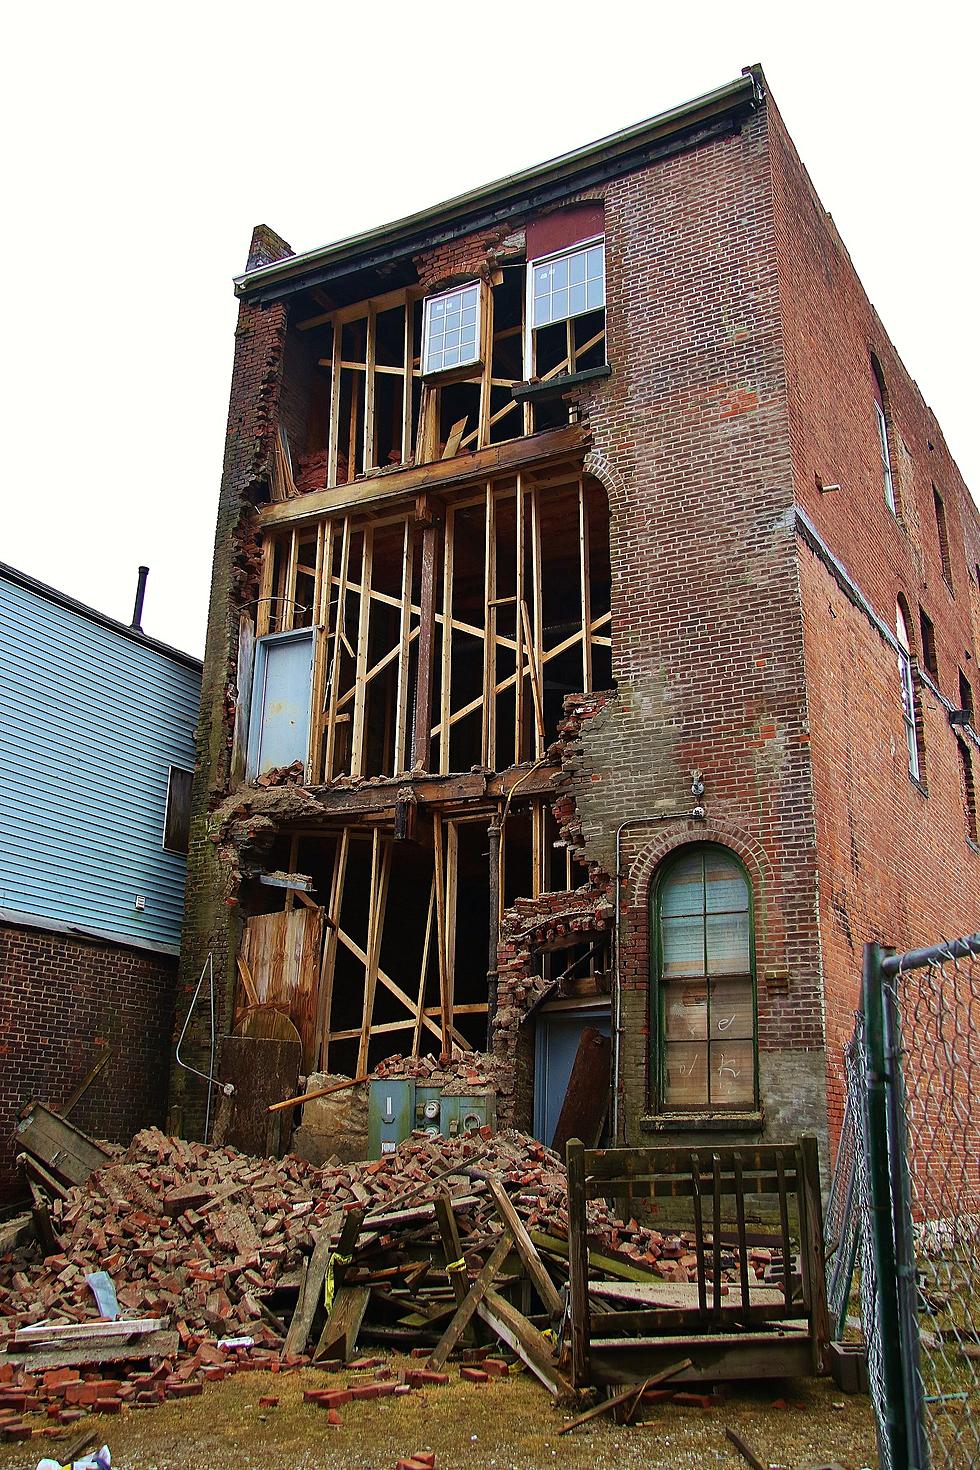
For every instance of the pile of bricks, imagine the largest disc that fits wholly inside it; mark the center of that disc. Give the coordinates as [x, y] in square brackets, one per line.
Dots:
[206, 1238]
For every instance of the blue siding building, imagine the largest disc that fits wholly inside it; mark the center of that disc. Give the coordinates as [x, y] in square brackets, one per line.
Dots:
[93, 717]
[96, 759]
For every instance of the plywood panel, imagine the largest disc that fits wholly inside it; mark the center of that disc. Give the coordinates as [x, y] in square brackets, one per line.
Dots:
[282, 951]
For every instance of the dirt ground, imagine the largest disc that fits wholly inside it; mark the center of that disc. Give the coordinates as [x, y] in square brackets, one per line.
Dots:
[509, 1424]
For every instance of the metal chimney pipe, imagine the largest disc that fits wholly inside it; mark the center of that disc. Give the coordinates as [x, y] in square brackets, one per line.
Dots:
[137, 622]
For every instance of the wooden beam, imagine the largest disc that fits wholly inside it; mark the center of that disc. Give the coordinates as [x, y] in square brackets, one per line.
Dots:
[360, 665]
[443, 958]
[495, 460]
[523, 1338]
[446, 660]
[533, 1264]
[421, 738]
[470, 1303]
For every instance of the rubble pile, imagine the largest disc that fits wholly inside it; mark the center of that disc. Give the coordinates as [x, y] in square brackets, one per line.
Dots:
[270, 1263]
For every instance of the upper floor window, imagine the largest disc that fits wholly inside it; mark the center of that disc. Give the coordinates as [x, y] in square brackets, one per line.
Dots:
[177, 820]
[704, 983]
[451, 329]
[942, 530]
[881, 420]
[567, 285]
[927, 637]
[909, 714]
[565, 311]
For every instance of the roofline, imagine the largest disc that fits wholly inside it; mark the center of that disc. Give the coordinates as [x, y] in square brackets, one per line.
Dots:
[605, 158]
[31, 584]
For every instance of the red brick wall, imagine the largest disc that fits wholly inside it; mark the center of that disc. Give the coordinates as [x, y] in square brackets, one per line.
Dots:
[60, 1001]
[895, 863]
[691, 440]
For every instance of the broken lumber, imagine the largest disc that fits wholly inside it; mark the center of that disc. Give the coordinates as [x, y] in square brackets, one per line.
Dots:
[523, 1338]
[470, 1303]
[533, 1263]
[635, 1391]
[747, 1454]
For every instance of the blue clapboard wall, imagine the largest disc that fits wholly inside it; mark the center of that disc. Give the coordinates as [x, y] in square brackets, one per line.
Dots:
[92, 717]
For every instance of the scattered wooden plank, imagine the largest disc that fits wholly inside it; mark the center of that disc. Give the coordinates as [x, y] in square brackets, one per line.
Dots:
[105, 1053]
[305, 1097]
[633, 1392]
[530, 1345]
[59, 1147]
[533, 1264]
[470, 1303]
[59, 1333]
[15, 1232]
[339, 1336]
[93, 1354]
[747, 1454]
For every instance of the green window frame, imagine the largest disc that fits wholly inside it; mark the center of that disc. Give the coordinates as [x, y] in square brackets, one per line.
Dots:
[704, 1018]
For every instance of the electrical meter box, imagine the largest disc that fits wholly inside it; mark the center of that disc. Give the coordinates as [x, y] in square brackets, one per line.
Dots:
[466, 1114]
[391, 1114]
[428, 1109]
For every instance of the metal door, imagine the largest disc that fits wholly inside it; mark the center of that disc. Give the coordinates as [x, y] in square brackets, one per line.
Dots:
[556, 1041]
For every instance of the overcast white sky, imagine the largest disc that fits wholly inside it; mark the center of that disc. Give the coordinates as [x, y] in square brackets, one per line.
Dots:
[142, 143]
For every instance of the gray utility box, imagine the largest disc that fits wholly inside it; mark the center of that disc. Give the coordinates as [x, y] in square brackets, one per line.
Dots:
[391, 1114]
[398, 1106]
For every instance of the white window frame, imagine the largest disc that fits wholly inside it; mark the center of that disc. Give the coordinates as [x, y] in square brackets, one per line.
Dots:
[176, 851]
[886, 459]
[532, 266]
[907, 680]
[476, 361]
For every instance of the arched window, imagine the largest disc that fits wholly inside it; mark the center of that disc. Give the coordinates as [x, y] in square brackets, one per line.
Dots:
[881, 420]
[909, 713]
[704, 983]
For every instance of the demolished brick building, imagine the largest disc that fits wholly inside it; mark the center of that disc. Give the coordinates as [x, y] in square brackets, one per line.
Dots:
[591, 645]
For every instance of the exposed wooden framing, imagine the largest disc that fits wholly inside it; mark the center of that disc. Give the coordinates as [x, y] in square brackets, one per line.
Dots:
[421, 737]
[380, 872]
[423, 971]
[370, 353]
[519, 628]
[447, 995]
[447, 641]
[489, 731]
[407, 379]
[343, 560]
[333, 439]
[443, 958]
[334, 679]
[363, 633]
[328, 963]
[495, 460]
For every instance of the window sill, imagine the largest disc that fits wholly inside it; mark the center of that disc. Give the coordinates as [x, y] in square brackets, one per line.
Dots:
[922, 789]
[538, 392]
[749, 1122]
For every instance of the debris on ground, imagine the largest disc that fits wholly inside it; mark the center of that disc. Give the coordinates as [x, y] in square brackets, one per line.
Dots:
[222, 1262]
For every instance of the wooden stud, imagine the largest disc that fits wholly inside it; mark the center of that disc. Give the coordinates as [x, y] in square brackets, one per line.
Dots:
[519, 631]
[423, 972]
[370, 437]
[489, 730]
[447, 1000]
[441, 954]
[421, 737]
[378, 904]
[445, 690]
[578, 1263]
[408, 380]
[333, 440]
[363, 634]
[328, 962]
[338, 638]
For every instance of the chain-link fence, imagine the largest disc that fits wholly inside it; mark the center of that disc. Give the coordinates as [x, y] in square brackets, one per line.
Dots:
[914, 1111]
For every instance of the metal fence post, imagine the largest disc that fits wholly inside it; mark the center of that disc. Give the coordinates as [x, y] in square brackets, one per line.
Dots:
[894, 1417]
[905, 1264]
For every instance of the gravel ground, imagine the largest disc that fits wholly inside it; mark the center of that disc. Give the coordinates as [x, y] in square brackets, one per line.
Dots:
[507, 1425]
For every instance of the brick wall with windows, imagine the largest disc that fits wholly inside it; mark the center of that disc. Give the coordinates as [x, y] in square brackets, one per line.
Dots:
[63, 999]
[895, 859]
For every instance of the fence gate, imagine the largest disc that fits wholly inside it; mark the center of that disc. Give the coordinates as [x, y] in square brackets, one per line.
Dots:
[914, 1092]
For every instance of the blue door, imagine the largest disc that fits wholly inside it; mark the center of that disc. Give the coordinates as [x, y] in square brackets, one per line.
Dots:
[279, 722]
[556, 1041]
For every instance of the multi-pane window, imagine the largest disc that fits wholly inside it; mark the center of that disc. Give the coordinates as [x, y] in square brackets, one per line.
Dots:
[886, 460]
[881, 420]
[908, 695]
[704, 974]
[451, 329]
[567, 285]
